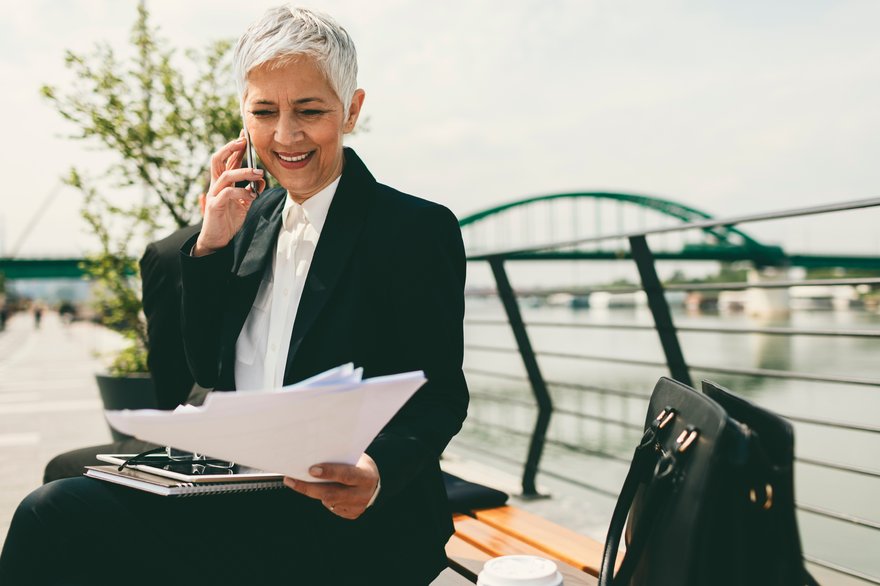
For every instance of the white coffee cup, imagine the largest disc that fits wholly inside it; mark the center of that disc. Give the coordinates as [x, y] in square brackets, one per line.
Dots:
[519, 570]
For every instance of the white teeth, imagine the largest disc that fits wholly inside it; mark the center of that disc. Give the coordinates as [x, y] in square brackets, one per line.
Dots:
[292, 159]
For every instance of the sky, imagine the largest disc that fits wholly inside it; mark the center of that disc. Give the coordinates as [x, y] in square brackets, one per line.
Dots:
[731, 107]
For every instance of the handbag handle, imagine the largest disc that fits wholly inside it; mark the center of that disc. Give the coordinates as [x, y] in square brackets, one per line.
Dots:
[645, 457]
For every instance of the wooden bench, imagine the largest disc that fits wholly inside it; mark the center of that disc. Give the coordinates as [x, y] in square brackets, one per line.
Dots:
[508, 531]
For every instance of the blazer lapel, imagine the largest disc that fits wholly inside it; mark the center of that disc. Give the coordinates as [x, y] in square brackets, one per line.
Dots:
[257, 254]
[262, 242]
[252, 253]
[342, 228]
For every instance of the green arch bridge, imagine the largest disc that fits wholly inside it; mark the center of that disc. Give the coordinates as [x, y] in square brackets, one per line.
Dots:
[574, 212]
[718, 243]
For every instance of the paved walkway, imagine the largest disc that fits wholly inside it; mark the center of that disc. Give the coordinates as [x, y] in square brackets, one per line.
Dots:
[49, 402]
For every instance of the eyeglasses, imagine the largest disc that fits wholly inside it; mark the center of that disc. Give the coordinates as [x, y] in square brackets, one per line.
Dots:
[175, 460]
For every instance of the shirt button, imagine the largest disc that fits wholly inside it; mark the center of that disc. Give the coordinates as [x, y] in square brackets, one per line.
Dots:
[286, 290]
[274, 347]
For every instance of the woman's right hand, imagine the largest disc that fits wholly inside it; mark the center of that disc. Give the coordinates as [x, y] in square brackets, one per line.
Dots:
[226, 205]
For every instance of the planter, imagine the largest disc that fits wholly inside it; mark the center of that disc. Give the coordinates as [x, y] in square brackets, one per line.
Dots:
[134, 391]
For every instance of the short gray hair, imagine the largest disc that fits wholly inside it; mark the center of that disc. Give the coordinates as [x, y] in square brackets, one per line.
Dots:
[286, 32]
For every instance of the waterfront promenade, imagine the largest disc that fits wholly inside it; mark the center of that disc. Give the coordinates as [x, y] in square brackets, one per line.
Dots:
[49, 402]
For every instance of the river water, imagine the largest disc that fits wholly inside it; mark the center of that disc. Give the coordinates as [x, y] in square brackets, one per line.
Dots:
[499, 422]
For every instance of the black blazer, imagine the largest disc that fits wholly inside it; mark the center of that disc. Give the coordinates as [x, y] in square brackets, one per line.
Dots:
[160, 279]
[386, 291]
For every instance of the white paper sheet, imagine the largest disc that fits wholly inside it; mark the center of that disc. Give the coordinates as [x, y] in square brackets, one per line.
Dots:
[329, 418]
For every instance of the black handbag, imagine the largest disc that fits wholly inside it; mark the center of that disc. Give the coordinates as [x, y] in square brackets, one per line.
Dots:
[708, 499]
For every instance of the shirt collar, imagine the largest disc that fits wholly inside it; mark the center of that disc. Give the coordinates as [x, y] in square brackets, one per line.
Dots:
[315, 208]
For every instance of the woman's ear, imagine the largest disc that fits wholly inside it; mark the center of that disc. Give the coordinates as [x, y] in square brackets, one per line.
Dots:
[354, 110]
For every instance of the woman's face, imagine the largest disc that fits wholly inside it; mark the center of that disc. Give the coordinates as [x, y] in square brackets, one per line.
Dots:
[296, 123]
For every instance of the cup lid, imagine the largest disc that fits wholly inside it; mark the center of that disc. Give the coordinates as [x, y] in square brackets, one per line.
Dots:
[519, 570]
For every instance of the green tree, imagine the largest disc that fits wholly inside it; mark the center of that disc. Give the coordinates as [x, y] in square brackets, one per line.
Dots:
[161, 126]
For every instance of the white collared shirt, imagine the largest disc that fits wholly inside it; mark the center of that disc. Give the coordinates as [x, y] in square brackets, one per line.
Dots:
[262, 346]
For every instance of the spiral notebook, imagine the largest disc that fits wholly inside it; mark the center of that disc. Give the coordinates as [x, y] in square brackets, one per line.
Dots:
[171, 487]
[185, 471]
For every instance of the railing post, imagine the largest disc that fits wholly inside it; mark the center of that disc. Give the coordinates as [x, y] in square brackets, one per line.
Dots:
[539, 387]
[644, 258]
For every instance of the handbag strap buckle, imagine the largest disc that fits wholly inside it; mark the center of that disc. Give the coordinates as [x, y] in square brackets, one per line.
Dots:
[686, 438]
[767, 501]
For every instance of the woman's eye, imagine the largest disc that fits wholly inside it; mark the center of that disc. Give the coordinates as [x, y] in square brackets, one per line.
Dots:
[312, 112]
[262, 113]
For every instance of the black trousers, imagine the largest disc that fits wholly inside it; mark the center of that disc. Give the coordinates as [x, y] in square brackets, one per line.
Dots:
[70, 464]
[85, 531]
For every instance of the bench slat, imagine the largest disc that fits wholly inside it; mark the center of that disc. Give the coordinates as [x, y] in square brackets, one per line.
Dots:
[491, 540]
[496, 543]
[559, 542]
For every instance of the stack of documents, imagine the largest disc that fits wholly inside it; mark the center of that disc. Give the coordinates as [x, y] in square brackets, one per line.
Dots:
[331, 417]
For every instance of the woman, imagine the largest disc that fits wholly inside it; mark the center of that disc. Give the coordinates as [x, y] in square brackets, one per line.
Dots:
[332, 267]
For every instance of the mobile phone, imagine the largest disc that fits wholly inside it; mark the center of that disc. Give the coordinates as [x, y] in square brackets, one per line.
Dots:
[250, 160]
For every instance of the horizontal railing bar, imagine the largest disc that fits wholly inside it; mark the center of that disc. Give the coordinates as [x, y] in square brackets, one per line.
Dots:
[841, 569]
[565, 445]
[599, 418]
[505, 458]
[629, 425]
[831, 423]
[613, 360]
[559, 324]
[782, 374]
[756, 372]
[851, 519]
[492, 373]
[579, 483]
[699, 329]
[500, 456]
[599, 390]
[631, 395]
[740, 285]
[579, 290]
[700, 225]
[841, 467]
[782, 331]
[588, 452]
[727, 286]
[502, 350]
[567, 385]
[497, 349]
[495, 398]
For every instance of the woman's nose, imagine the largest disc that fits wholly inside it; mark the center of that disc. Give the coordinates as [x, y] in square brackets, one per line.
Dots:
[289, 129]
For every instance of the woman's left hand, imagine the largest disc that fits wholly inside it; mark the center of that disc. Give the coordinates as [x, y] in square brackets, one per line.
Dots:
[350, 488]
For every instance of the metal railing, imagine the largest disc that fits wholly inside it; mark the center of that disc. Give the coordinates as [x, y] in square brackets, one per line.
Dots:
[674, 359]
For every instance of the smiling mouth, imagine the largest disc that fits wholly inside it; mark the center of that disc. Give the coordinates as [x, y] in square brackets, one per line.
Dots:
[292, 158]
